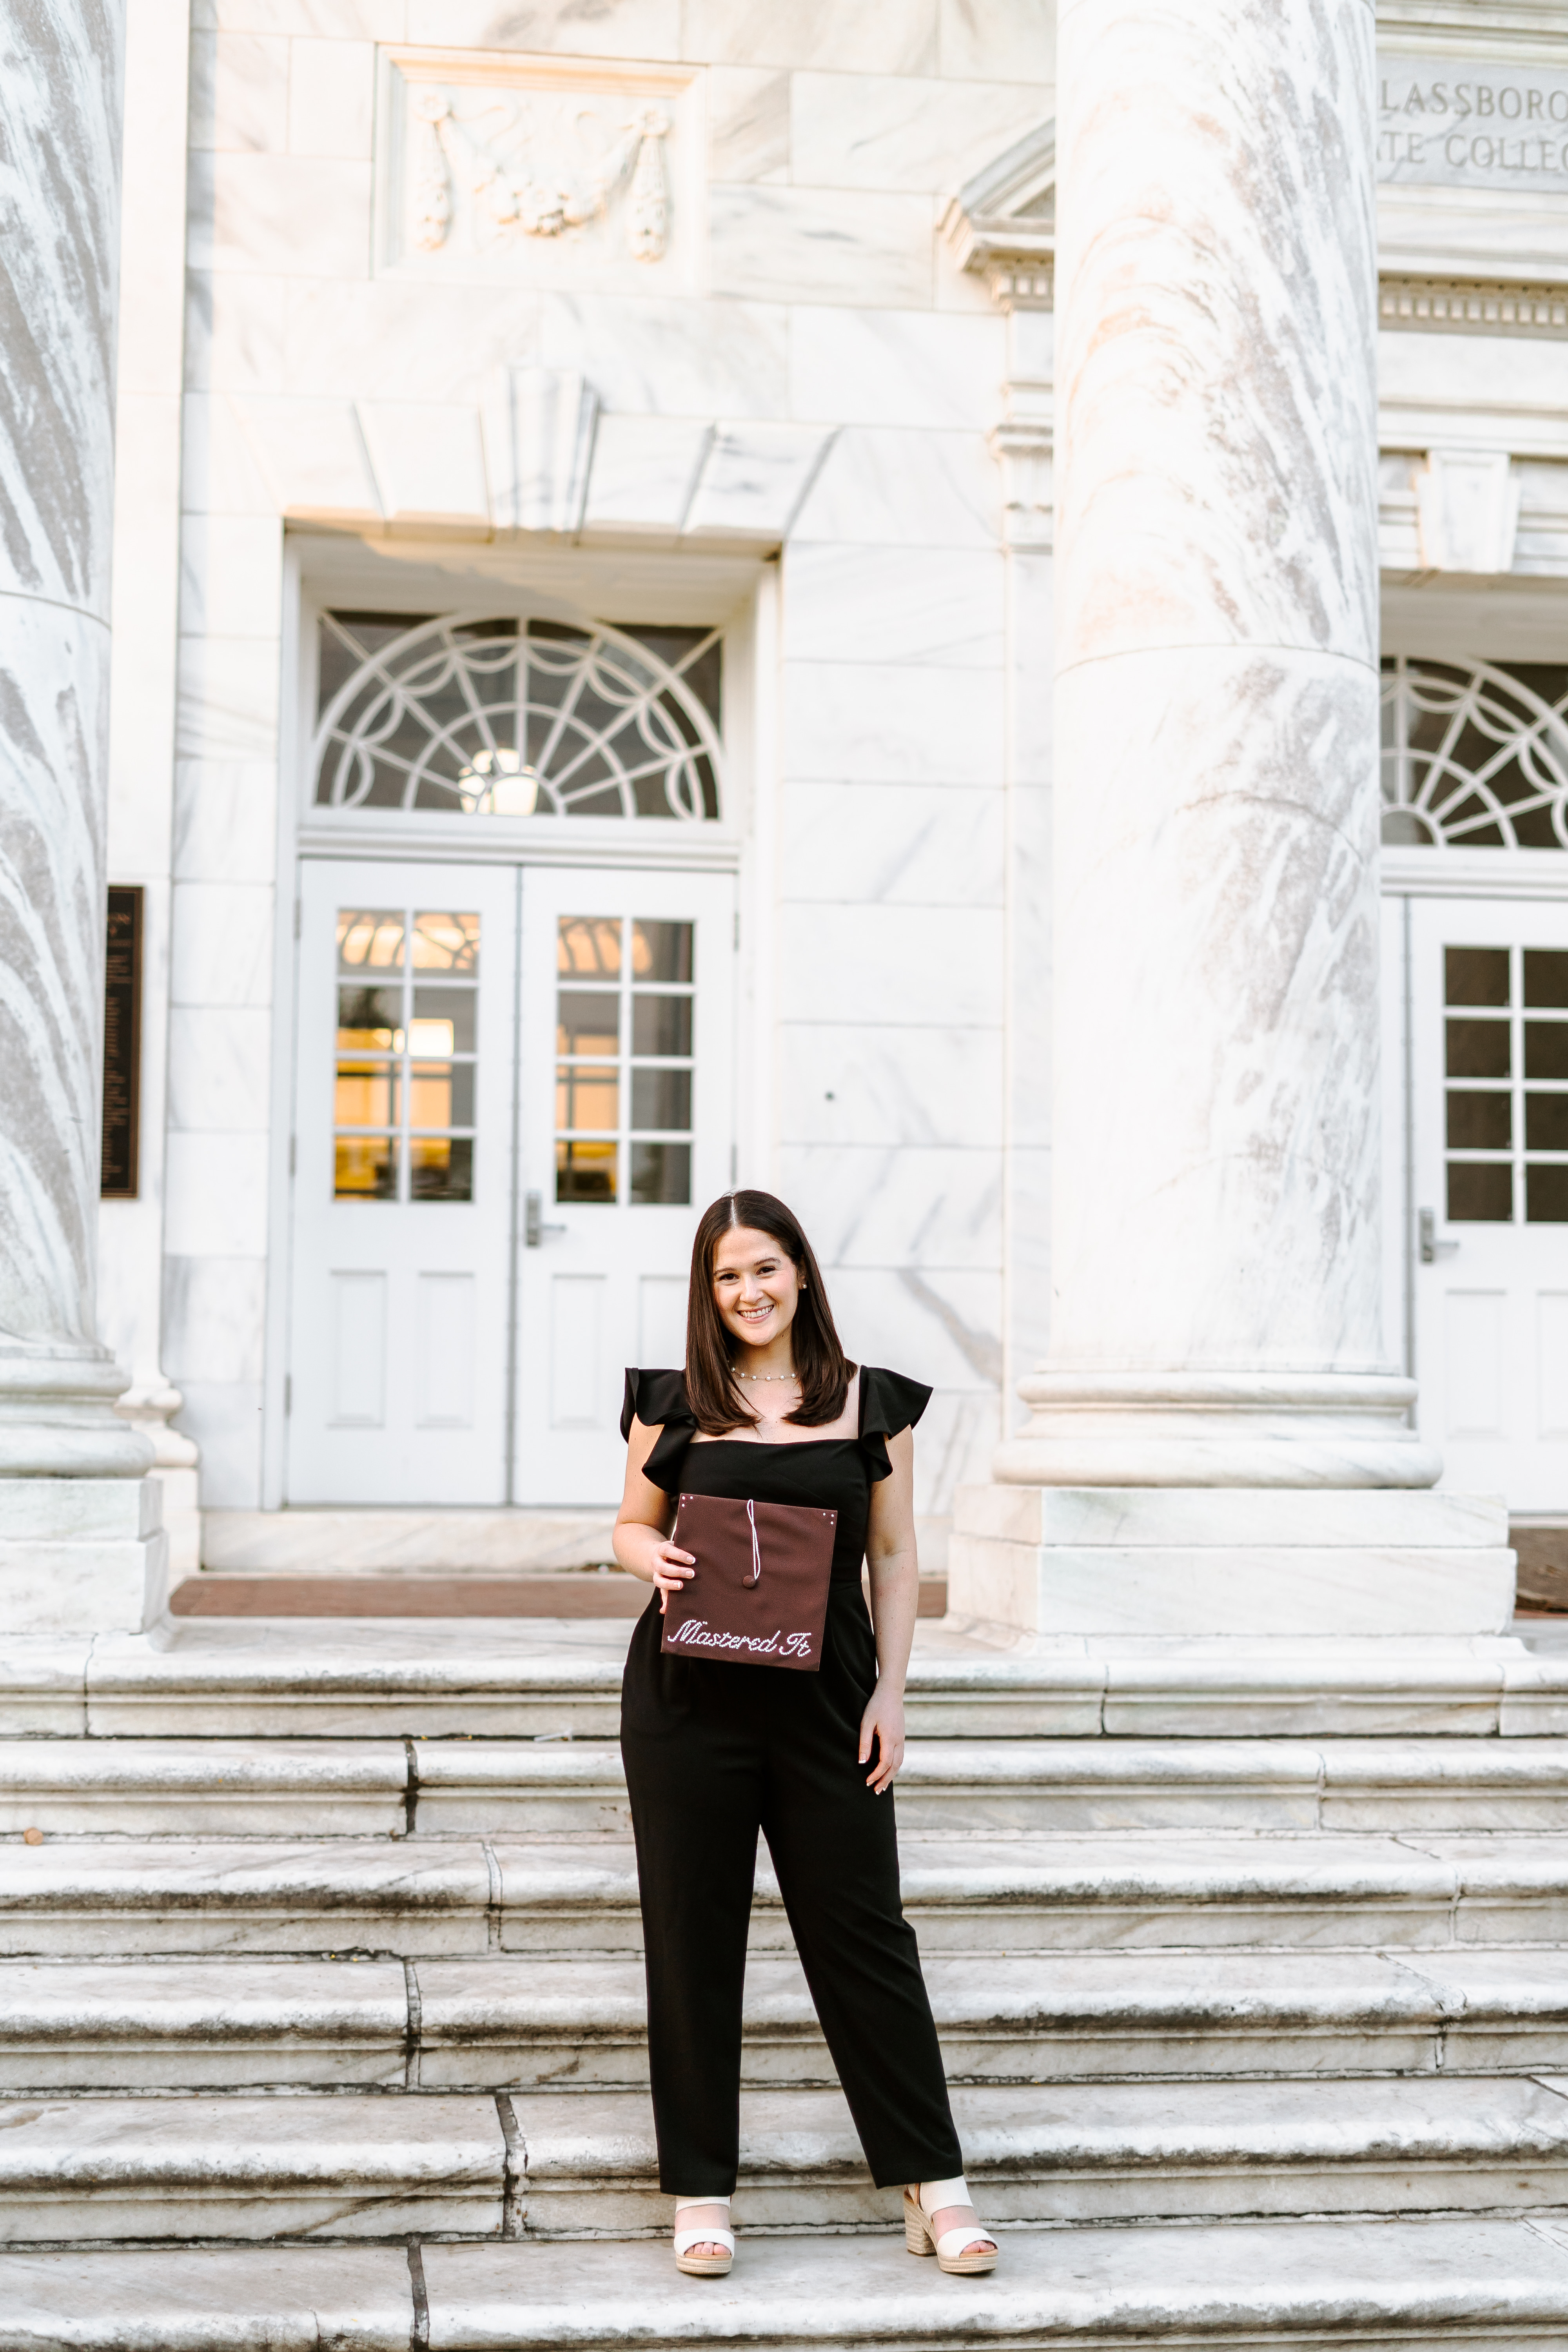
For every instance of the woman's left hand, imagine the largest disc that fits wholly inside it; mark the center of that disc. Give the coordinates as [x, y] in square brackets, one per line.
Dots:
[883, 1722]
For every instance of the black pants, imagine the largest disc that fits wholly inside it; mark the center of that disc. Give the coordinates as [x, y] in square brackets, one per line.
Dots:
[713, 1752]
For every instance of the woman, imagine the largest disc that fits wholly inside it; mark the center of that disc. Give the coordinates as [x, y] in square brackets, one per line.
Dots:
[770, 1410]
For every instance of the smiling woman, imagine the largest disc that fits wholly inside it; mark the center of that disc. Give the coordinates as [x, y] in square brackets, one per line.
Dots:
[771, 1416]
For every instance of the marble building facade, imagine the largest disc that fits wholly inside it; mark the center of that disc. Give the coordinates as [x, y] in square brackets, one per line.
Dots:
[704, 354]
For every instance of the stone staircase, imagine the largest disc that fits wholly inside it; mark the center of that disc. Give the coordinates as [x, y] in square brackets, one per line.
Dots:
[321, 2020]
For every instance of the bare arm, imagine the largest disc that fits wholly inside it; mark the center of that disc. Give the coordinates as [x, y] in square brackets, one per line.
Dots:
[894, 1564]
[642, 1527]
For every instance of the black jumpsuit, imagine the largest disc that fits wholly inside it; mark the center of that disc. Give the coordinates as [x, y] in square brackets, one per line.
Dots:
[715, 1750]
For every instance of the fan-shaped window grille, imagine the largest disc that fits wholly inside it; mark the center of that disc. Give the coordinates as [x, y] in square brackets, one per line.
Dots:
[507, 717]
[1475, 755]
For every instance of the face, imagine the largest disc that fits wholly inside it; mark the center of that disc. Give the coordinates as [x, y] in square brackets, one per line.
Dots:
[756, 1287]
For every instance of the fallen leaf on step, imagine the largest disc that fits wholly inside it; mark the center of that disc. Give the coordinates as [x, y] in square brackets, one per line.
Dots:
[32, 1837]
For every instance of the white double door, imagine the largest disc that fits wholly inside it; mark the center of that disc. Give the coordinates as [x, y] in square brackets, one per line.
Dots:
[513, 1097]
[1487, 994]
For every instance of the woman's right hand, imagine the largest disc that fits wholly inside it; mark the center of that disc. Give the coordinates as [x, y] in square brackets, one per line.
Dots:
[645, 1553]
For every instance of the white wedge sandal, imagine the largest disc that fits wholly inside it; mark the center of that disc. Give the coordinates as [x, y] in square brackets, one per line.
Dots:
[927, 2197]
[702, 2265]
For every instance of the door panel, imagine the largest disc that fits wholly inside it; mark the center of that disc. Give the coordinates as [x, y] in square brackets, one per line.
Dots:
[625, 1119]
[403, 1184]
[1488, 998]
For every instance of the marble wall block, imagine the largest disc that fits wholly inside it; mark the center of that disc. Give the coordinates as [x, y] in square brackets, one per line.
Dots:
[212, 1309]
[265, 210]
[753, 478]
[332, 92]
[236, 325]
[915, 844]
[603, 29]
[645, 472]
[217, 1194]
[891, 723]
[889, 488]
[805, 245]
[386, 339]
[884, 37]
[895, 368]
[330, 20]
[889, 964]
[861, 131]
[228, 697]
[240, 93]
[992, 38]
[219, 1067]
[226, 820]
[231, 575]
[748, 123]
[857, 1082]
[906, 1204]
[428, 461]
[666, 358]
[918, 604]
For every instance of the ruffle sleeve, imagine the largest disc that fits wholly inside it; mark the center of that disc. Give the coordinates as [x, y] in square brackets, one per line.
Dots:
[889, 1402]
[658, 1401]
[653, 1398]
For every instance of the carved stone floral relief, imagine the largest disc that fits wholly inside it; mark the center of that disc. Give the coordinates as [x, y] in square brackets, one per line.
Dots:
[495, 168]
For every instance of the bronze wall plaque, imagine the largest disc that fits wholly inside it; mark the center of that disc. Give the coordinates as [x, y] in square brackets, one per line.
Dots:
[121, 1043]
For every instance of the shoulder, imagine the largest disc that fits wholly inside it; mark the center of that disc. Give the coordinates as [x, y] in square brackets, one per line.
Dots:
[888, 1402]
[654, 1398]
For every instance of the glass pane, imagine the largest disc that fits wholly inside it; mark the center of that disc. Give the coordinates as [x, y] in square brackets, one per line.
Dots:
[661, 1175]
[660, 1098]
[1546, 1122]
[584, 1172]
[1475, 975]
[1481, 1122]
[369, 1020]
[1480, 1192]
[661, 951]
[445, 944]
[661, 1025]
[365, 1094]
[588, 947]
[1546, 1196]
[1546, 1049]
[444, 1020]
[441, 1168]
[366, 1168]
[440, 1096]
[368, 939]
[1479, 1049]
[1546, 977]
[586, 1098]
[587, 1020]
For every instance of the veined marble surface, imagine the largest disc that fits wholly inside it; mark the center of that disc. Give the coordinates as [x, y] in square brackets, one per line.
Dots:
[1215, 1052]
[59, 73]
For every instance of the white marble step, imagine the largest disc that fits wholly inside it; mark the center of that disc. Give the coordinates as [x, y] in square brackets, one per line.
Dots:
[571, 1787]
[503, 2024]
[1310, 2284]
[363, 2165]
[212, 1677]
[951, 1785]
[447, 1897]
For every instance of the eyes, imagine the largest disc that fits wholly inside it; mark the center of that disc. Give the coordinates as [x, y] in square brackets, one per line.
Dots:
[768, 1267]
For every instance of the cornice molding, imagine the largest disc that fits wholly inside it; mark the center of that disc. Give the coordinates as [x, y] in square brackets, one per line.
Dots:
[1001, 225]
[1472, 306]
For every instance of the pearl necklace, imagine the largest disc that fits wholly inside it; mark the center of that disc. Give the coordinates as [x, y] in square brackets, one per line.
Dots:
[769, 1376]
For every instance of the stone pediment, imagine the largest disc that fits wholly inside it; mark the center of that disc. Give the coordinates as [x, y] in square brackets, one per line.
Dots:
[1002, 224]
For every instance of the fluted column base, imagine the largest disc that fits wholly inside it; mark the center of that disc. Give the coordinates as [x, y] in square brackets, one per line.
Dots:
[57, 1418]
[1217, 1429]
[1188, 1561]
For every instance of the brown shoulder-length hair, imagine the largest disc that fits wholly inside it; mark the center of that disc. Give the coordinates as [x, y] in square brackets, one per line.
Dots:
[823, 1369]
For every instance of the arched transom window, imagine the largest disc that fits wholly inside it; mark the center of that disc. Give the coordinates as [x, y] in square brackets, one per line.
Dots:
[510, 718]
[1475, 755]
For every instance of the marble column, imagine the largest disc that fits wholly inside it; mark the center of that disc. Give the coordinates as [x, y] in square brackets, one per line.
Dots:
[77, 1523]
[1216, 1252]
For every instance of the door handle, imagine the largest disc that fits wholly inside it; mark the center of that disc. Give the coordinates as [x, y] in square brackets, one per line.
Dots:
[1431, 1248]
[533, 1226]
